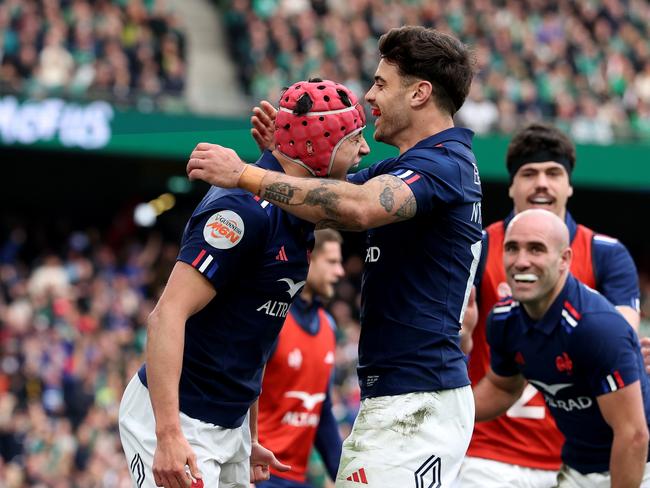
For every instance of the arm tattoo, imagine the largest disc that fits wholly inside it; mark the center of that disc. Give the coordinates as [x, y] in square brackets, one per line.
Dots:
[408, 209]
[335, 224]
[326, 199]
[279, 192]
[387, 199]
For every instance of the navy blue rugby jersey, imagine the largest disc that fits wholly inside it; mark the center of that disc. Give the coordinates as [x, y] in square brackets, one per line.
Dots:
[418, 273]
[582, 348]
[255, 256]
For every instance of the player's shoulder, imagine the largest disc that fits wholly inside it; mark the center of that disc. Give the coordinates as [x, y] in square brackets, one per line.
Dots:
[586, 308]
[244, 203]
[230, 213]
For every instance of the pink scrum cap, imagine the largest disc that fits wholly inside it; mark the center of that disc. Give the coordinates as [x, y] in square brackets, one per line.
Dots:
[314, 118]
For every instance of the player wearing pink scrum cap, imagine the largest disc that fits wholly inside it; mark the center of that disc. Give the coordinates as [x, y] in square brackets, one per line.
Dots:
[186, 417]
[314, 119]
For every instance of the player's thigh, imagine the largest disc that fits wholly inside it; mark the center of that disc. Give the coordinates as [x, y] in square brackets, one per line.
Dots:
[486, 473]
[410, 440]
[137, 433]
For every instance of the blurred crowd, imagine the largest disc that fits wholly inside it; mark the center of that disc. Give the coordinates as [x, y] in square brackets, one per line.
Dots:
[127, 51]
[72, 333]
[581, 63]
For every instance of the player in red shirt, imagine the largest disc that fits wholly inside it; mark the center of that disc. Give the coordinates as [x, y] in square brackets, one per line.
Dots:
[295, 410]
[522, 448]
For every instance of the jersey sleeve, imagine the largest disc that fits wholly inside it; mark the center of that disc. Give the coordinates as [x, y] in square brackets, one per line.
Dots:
[360, 177]
[608, 353]
[502, 360]
[219, 241]
[616, 275]
[432, 182]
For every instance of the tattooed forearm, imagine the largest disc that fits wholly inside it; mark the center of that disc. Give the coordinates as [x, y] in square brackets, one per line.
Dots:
[279, 192]
[387, 199]
[324, 198]
[335, 224]
[408, 209]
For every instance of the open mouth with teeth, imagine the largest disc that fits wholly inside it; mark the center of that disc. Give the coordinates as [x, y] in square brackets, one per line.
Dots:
[545, 200]
[525, 278]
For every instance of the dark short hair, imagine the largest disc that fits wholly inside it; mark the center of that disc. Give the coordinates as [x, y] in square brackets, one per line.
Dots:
[434, 56]
[540, 141]
[323, 236]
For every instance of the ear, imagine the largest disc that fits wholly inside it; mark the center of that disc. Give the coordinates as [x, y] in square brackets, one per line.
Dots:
[570, 194]
[566, 257]
[421, 93]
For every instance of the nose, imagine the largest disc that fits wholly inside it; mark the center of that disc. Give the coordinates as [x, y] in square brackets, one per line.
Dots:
[364, 149]
[370, 94]
[541, 181]
[521, 260]
[339, 272]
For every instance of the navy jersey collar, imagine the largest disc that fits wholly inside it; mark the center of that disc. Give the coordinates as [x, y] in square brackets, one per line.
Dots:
[568, 220]
[458, 134]
[553, 315]
[268, 161]
[306, 314]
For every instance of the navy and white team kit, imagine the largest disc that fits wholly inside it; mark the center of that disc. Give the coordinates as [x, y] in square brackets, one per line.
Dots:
[256, 257]
[418, 273]
[582, 348]
[417, 411]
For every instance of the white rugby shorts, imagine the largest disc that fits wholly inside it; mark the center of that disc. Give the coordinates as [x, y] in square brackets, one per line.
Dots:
[487, 473]
[222, 454]
[412, 440]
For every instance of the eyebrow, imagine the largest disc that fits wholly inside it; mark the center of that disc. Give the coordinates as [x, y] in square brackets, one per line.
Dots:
[379, 78]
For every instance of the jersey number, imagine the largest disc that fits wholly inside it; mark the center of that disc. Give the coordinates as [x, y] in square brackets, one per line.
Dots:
[521, 411]
[476, 255]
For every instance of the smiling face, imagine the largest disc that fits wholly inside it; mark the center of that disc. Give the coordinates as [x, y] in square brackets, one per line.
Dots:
[537, 257]
[388, 98]
[542, 185]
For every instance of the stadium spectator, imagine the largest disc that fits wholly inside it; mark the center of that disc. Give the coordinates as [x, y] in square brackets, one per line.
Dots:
[120, 50]
[532, 54]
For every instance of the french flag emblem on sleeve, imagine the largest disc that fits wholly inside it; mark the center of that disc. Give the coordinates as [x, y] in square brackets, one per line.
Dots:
[205, 263]
[613, 382]
[407, 175]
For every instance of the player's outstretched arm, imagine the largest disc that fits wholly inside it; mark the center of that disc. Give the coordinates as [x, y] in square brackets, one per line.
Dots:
[186, 293]
[495, 394]
[623, 411]
[328, 203]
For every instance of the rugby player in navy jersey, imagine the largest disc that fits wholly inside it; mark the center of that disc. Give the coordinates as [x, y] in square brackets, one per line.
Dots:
[578, 350]
[522, 448]
[422, 211]
[184, 417]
